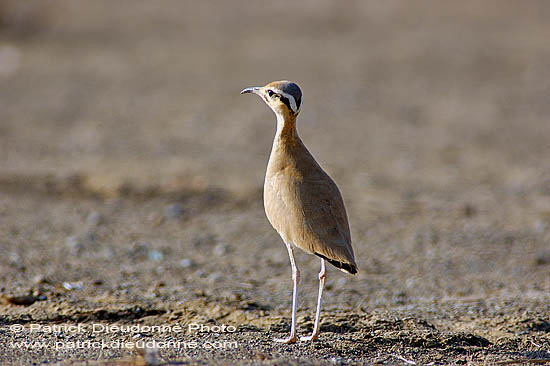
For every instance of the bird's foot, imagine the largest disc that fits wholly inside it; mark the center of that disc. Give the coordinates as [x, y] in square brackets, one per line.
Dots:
[309, 338]
[288, 340]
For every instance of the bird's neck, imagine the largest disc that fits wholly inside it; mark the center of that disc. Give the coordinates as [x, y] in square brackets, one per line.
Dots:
[286, 128]
[286, 145]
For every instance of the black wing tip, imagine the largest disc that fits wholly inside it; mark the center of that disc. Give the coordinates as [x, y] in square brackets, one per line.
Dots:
[346, 267]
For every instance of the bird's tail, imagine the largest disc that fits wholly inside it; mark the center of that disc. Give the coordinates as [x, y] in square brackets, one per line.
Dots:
[350, 268]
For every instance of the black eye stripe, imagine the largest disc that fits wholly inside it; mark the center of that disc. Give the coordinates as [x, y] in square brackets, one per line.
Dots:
[286, 102]
[284, 99]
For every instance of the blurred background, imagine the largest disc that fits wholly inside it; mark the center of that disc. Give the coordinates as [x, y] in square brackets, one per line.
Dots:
[427, 91]
[124, 140]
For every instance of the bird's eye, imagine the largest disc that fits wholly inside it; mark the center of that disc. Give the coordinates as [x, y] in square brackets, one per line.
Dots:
[270, 93]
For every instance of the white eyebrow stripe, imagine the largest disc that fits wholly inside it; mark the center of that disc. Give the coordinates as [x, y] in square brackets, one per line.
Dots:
[289, 97]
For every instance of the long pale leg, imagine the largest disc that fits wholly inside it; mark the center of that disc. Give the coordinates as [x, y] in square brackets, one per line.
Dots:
[296, 279]
[322, 278]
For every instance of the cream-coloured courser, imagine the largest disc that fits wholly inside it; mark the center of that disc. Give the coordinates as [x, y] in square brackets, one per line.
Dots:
[301, 201]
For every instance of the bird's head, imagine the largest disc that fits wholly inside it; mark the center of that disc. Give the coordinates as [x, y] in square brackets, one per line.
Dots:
[283, 97]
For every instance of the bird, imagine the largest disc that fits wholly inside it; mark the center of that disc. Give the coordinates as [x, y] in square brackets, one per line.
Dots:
[301, 201]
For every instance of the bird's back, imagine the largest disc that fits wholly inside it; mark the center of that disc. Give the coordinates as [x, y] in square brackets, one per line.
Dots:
[304, 204]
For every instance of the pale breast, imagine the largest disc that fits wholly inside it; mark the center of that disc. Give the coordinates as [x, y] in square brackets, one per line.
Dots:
[278, 188]
[304, 205]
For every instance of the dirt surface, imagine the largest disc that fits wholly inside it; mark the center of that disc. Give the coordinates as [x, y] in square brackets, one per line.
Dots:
[131, 175]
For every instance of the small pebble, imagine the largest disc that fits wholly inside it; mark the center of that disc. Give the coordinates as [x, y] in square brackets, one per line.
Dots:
[186, 263]
[140, 249]
[200, 273]
[95, 219]
[220, 249]
[22, 300]
[174, 210]
[89, 237]
[155, 255]
[155, 219]
[200, 293]
[337, 360]
[73, 285]
[469, 210]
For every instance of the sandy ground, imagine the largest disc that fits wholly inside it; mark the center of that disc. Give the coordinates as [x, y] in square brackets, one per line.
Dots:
[131, 175]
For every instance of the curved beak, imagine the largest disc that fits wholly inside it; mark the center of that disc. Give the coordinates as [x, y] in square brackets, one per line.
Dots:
[253, 90]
